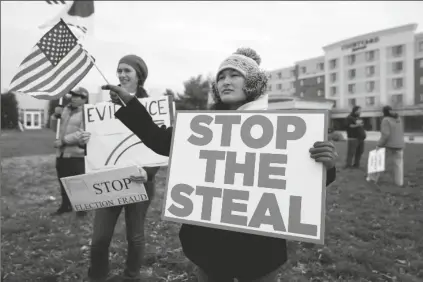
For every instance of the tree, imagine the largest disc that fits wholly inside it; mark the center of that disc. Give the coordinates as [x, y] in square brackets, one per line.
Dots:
[195, 95]
[53, 104]
[169, 92]
[9, 111]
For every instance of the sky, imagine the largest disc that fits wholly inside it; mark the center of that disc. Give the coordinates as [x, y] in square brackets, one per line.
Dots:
[181, 39]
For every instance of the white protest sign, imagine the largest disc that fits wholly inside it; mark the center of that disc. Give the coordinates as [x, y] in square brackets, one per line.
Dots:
[249, 172]
[113, 144]
[102, 189]
[376, 161]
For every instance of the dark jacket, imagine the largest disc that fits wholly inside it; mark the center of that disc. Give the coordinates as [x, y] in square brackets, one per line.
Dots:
[355, 132]
[222, 252]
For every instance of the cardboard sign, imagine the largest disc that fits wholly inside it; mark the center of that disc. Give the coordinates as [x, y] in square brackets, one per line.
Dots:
[113, 144]
[376, 161]
[102, 189]
[249, 172]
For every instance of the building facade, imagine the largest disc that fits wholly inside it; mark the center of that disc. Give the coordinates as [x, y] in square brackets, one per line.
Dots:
[371, 70]
[310, 81]
[282, 82]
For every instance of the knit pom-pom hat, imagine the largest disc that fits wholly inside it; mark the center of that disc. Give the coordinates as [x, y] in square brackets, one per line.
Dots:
[246, 61]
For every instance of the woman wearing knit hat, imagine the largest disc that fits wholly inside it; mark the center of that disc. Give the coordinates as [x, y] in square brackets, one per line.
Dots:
[219, 254]
[132, 73]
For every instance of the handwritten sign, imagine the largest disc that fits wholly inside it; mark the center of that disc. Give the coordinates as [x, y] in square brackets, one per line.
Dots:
[102, 189]
[249, 172]
[376, 161]
[113, 144]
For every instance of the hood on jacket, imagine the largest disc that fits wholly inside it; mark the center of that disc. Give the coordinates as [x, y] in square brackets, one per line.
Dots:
[261, 103]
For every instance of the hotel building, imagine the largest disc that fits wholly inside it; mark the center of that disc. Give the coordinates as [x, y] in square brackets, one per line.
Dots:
[371, 70]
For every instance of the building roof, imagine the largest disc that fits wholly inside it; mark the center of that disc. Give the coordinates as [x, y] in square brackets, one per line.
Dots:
[408, 27]
[320, 58]
[286, 99]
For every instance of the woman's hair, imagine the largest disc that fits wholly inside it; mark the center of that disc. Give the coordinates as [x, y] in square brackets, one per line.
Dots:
[255, 79]
[387, 112]
[355, 110]
[141, 93]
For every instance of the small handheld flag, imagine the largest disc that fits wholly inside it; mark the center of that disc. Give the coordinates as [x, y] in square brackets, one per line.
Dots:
[56, 64]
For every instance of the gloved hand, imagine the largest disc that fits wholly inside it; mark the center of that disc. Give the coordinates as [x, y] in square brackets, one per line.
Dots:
[324, 152]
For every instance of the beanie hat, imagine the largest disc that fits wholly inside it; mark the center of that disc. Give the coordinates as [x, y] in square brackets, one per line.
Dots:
[246, 61]
[80, 91]
[138, 64]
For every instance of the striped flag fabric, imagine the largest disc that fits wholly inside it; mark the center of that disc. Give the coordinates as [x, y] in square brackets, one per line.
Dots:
[78, 15]
[56, 64]
[56, 2]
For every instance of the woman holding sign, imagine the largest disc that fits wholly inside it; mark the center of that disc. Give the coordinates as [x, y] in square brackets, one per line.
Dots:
[132, 73]
[224, 255]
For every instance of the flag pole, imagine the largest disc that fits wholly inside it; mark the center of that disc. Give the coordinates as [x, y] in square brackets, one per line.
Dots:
[123, 103]
[58, 120]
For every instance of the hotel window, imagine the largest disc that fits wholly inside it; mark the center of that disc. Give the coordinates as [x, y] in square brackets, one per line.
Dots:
[333, 77]
[421, 97]
[292, 73]
[334, 103]
[397, 83]
[397, 50]
[421, 63]
[351, 102]
[421, 80]
[302, 94]
[351, 73]
[291, 84]
[421, 46]
[397, 67]
[270, 87]
[370, 55]
[320, 92]
[370, 86]
[370, 70]
[396, 99]
[370, 101]
[279, 86]
[333, 91]
[351, 59]
[319, 79]
[303, 70]
[302, 82]
[320, 66]
[270, 76]
[332, 63]
[279, 75]
[351, 88]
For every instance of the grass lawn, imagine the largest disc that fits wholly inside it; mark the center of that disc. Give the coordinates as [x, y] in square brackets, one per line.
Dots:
[373, 233]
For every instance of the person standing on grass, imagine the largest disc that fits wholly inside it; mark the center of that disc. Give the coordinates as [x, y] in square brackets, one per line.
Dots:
[356, 136]
[132, 73]
[392, 139]
[222, 255]
[70, 152]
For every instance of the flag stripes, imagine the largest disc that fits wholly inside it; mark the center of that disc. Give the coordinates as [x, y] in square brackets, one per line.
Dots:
[55, 2]
[54, 66]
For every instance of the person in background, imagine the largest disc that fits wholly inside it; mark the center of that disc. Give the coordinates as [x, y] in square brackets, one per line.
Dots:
[356, 136]
[132, 73]
[392, 139]
[70, 152]
[222, 255]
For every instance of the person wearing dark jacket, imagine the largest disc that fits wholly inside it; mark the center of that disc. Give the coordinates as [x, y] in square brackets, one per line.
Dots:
[132, 73]
[356, 136]
[219, 254]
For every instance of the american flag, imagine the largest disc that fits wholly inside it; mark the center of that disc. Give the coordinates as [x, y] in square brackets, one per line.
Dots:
[78, 15]
[56, 2]
[56, 64]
